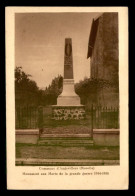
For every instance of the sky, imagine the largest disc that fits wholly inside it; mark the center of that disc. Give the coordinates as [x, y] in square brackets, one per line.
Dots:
[40, 41]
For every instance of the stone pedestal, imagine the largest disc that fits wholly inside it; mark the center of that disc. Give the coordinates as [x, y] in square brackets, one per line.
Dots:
[68, 112]
[68, 104]
[68, 96]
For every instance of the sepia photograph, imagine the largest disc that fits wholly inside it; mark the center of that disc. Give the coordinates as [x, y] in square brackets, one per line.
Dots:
[67, 88]
[66, 91]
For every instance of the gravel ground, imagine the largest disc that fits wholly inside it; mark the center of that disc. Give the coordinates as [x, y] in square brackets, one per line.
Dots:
[58, 152]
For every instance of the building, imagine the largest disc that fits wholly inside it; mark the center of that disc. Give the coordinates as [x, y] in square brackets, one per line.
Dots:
[104, 57]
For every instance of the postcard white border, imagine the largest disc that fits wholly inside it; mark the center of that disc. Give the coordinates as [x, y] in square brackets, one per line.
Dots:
[118, 178]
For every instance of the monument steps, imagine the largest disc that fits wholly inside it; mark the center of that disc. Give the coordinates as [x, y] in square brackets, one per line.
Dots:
[77, 136]
[70, 140]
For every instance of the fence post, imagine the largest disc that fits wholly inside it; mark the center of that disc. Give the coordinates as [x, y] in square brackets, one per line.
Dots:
[40, 117]
[92, 121]
[118, 118]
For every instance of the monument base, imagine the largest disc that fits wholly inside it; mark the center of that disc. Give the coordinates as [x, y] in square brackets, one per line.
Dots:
[68, 104]
[68, 96]
[68, 112]
[68, 100]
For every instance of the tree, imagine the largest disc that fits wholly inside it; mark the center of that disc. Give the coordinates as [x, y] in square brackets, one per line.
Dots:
[23, 82]
[26, 90]
[54, 90]
[88, 89]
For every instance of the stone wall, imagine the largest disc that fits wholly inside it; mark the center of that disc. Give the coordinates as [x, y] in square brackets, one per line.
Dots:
[106, 137]
[29, 136]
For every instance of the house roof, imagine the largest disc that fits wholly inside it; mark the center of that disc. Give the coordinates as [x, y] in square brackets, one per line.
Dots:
[92, 37]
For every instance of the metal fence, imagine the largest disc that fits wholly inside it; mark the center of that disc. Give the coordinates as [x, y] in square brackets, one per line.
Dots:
[99, 117]
[104, 117]
[26, 117]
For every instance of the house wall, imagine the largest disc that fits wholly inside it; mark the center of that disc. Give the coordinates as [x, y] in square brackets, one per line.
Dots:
[104, 59]
[110, 42]
[97, 52]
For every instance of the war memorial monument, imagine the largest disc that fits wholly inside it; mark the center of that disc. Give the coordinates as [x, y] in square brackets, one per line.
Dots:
[68, 103]
[69, 114]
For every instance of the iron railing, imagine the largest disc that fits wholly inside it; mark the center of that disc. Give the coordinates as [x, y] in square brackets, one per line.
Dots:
[35, 117]
[104, 117]
[26, 117]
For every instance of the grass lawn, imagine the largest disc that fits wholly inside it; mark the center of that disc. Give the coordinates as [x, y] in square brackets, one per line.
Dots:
[59, 152]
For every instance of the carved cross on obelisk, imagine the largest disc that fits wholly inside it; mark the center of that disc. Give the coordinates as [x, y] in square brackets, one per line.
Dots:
[68, 96]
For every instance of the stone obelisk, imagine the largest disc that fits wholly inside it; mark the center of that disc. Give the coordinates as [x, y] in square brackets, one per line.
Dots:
[68, 103]
[68, 96]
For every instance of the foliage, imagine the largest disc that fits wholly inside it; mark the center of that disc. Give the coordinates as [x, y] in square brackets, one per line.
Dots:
[23, 82]
[56, 86]
[53, 90]
[27, 91]
[89, 89]
[86, 89]
[91, 85]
